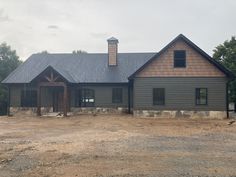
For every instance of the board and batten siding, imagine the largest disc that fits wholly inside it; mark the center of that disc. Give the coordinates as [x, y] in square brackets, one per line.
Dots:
[103, 96]
[180, 93]
[15, 95]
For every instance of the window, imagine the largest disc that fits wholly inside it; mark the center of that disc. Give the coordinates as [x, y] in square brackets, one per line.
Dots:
[179, 58]
[117, 95]
[28, 98]
[158, 96]
[85, 98]
[201, 96]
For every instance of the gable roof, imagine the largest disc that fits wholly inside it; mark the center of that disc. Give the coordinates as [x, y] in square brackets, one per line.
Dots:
[80, 68]
[195, 47]
[63, 75]
[93, 67]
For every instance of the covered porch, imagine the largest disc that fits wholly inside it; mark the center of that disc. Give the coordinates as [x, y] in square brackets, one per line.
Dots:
[57, 87]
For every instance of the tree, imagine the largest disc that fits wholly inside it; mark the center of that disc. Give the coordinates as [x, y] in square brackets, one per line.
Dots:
[78, 51]
[8, 62]
[226, 54]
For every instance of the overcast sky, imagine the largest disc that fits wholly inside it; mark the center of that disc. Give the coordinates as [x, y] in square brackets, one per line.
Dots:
[31, 26]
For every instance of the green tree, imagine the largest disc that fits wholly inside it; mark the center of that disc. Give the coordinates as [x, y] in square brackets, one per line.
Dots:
[8, 62]
[78, 51]
[226, 54]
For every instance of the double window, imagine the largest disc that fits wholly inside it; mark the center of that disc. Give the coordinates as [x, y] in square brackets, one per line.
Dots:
[179, 58]
[201, 96]
[85, 98]
[117, 95]
[28, 98]
[158, 96]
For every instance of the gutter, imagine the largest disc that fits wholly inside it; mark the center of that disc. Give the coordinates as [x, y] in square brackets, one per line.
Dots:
[227, 96]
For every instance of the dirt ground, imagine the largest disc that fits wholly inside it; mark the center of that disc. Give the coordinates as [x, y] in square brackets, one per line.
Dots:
[116, 146]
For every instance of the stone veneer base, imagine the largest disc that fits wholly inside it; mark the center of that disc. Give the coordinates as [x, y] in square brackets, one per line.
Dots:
[180, 114]
[73, 110]
[120, 110]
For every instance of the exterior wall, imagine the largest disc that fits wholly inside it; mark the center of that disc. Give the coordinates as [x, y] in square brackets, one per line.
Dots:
[103, 100]
[180, 93]
[103, 95]
[196, 65]
[15, 96]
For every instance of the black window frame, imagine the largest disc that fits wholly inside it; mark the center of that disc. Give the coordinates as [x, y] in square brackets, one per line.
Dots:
[117, 95]
[178, 59]
[156, 98]
[84, 96]
[198, 96]
[28, 98]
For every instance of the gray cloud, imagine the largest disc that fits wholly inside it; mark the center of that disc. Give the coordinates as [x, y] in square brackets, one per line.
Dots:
[140, 26]
[53, 27]
[99, 35]
[3, 18]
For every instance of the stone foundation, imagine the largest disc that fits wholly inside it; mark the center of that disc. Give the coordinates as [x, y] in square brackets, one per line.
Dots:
[73, 111]
[121, 110]
[98, 110]
[29, 110]
[180, 114]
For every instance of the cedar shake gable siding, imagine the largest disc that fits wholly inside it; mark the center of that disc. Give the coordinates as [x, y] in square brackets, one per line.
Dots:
[196, 64]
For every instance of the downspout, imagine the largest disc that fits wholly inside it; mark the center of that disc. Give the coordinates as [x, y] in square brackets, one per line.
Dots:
[227, 96]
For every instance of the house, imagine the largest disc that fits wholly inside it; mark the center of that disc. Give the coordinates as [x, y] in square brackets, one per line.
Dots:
[181, 80]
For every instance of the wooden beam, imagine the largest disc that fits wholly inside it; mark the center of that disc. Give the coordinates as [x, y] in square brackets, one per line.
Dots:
[54, 80]
[52, 84]
[38, 101]
[65, 101]
[47, 78]
[129, 104]
[51, 75]
[8, 100]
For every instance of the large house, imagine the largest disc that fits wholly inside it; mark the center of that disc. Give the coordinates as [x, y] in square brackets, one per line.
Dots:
[181, 80]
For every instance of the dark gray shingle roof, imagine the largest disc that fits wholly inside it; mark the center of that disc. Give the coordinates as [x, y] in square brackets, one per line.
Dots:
[80, 68]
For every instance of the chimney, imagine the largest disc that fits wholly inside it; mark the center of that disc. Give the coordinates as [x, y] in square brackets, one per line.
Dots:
[112, 51]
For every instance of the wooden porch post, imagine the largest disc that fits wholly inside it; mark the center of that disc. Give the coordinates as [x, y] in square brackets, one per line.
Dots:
[8, 100]
[38, 101]
[65, 101]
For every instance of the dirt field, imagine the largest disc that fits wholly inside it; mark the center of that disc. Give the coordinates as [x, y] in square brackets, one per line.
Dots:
[116, 146]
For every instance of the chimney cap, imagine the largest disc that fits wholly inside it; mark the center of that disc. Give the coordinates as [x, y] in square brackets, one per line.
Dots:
[112, 39]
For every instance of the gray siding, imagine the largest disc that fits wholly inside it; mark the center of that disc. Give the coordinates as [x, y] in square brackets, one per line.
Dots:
[180, 93]
[103, 96]
[15, 96]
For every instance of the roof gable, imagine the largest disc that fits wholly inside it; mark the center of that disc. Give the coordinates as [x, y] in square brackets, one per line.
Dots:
[51, 69]
[194, 47]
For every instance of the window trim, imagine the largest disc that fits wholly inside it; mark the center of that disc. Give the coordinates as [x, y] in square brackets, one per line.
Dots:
[174, 58]
[199, 104]
[79, 97]
[164, 100]
[121, 96]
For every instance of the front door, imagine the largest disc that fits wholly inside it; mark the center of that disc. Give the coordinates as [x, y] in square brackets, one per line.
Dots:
[58, 100]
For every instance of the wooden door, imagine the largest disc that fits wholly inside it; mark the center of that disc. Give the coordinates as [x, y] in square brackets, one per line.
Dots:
[58, 100]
